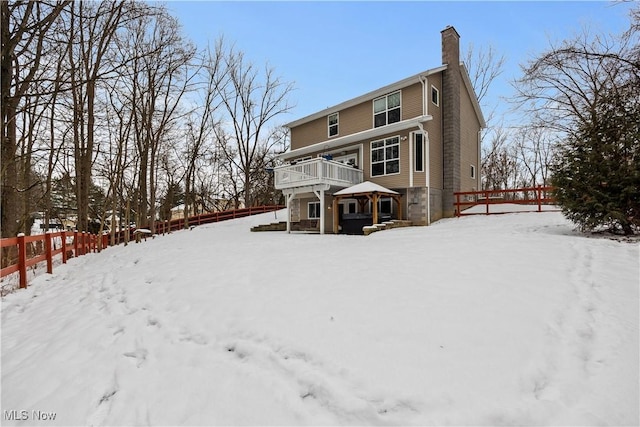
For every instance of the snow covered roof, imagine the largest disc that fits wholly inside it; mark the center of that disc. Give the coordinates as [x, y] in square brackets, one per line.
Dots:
[364, 187]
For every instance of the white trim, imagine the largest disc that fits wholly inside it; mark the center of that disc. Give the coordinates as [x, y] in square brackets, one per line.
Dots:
[384, 162]
[337, 114]
[427, 171]
[386, 111]
[437, 91]
[368, 96]
[345, 159]
[472, 95]
[308, 211]
[413, 148]
[410, 147]
[334, 143]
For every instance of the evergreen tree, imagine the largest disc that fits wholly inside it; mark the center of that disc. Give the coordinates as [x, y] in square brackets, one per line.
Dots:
[597, 174]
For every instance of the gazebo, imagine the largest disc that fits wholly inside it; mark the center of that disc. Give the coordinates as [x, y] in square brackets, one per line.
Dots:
[362, 192]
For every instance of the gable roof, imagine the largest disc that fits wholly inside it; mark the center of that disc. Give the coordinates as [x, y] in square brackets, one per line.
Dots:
[472, 94]
[353, 137]
[368, 96]
[393, 87]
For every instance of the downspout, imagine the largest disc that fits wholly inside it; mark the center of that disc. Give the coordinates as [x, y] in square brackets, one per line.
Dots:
[427, 170]
[425, 111]
[425, 104]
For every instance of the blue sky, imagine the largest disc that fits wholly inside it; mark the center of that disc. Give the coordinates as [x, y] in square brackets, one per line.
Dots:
[334, 51]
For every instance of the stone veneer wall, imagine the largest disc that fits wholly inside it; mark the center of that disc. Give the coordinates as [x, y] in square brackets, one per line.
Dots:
[295, 210]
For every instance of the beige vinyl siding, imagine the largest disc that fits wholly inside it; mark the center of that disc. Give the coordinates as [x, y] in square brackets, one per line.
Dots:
[469, 143]
[354, 119]
[434, 127]
[411, 101]
[309, 133]
[399, 180]
[328, 213]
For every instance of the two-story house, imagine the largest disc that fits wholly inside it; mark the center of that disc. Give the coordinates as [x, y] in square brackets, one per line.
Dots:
[409, 145]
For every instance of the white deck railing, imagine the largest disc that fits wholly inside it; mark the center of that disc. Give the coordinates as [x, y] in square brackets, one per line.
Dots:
[316, 171]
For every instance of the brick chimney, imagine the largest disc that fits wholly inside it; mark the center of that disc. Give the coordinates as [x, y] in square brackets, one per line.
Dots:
[450, 118]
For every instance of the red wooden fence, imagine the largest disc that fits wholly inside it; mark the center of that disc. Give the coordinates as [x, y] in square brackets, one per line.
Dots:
[32, 250]
[533, 196]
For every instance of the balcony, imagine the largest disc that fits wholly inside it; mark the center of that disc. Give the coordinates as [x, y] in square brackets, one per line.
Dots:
[317, 171]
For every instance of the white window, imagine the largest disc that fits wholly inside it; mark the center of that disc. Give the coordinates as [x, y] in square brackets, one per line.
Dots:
[473, 171]
[313, 210]
[332, 120]
[385, 156]
[386, 109]
[348, 159]
[435, 95]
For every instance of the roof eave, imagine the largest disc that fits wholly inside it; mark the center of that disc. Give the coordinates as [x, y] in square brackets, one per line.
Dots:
[367, 96]
[472, 95]
[354, 137]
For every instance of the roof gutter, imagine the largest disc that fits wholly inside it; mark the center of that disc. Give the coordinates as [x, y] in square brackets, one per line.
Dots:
[355, 137]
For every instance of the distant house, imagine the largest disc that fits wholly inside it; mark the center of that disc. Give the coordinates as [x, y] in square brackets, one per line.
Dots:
[417, 140]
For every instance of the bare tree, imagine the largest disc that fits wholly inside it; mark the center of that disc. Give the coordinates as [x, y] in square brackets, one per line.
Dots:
[564, 85]
[251, 99]
[534, 149]
[484, 65]
[92, 30]
[24, 27]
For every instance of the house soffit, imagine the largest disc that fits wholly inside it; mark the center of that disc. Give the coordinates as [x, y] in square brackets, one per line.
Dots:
[370, 96]
[355, 137]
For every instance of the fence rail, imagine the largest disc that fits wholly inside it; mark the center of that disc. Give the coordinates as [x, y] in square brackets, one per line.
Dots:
[31, 250]
[538, 196]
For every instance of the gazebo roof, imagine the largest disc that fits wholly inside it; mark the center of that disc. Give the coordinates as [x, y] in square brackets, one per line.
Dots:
[363, 188]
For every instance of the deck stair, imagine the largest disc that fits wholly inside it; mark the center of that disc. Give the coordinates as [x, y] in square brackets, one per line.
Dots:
[274, 226]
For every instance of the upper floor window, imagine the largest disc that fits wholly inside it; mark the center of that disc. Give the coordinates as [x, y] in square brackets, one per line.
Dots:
[333, 124]
[385, 156]
[386, 109]
[435, 95]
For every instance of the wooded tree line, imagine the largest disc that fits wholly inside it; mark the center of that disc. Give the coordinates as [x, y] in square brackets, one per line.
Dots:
[580, 129]
[109, 112]
[558, 88]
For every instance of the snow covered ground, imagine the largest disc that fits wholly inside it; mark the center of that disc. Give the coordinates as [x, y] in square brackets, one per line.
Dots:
[500, 320]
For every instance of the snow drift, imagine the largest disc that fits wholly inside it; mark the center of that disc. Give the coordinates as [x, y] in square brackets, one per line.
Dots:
[501, 320]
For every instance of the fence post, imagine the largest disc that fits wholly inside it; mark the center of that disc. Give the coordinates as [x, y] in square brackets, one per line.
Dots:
[47, 249]
[22, 260]
[486, 201]
[63, 235]
[75, 243]
[457, 205]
